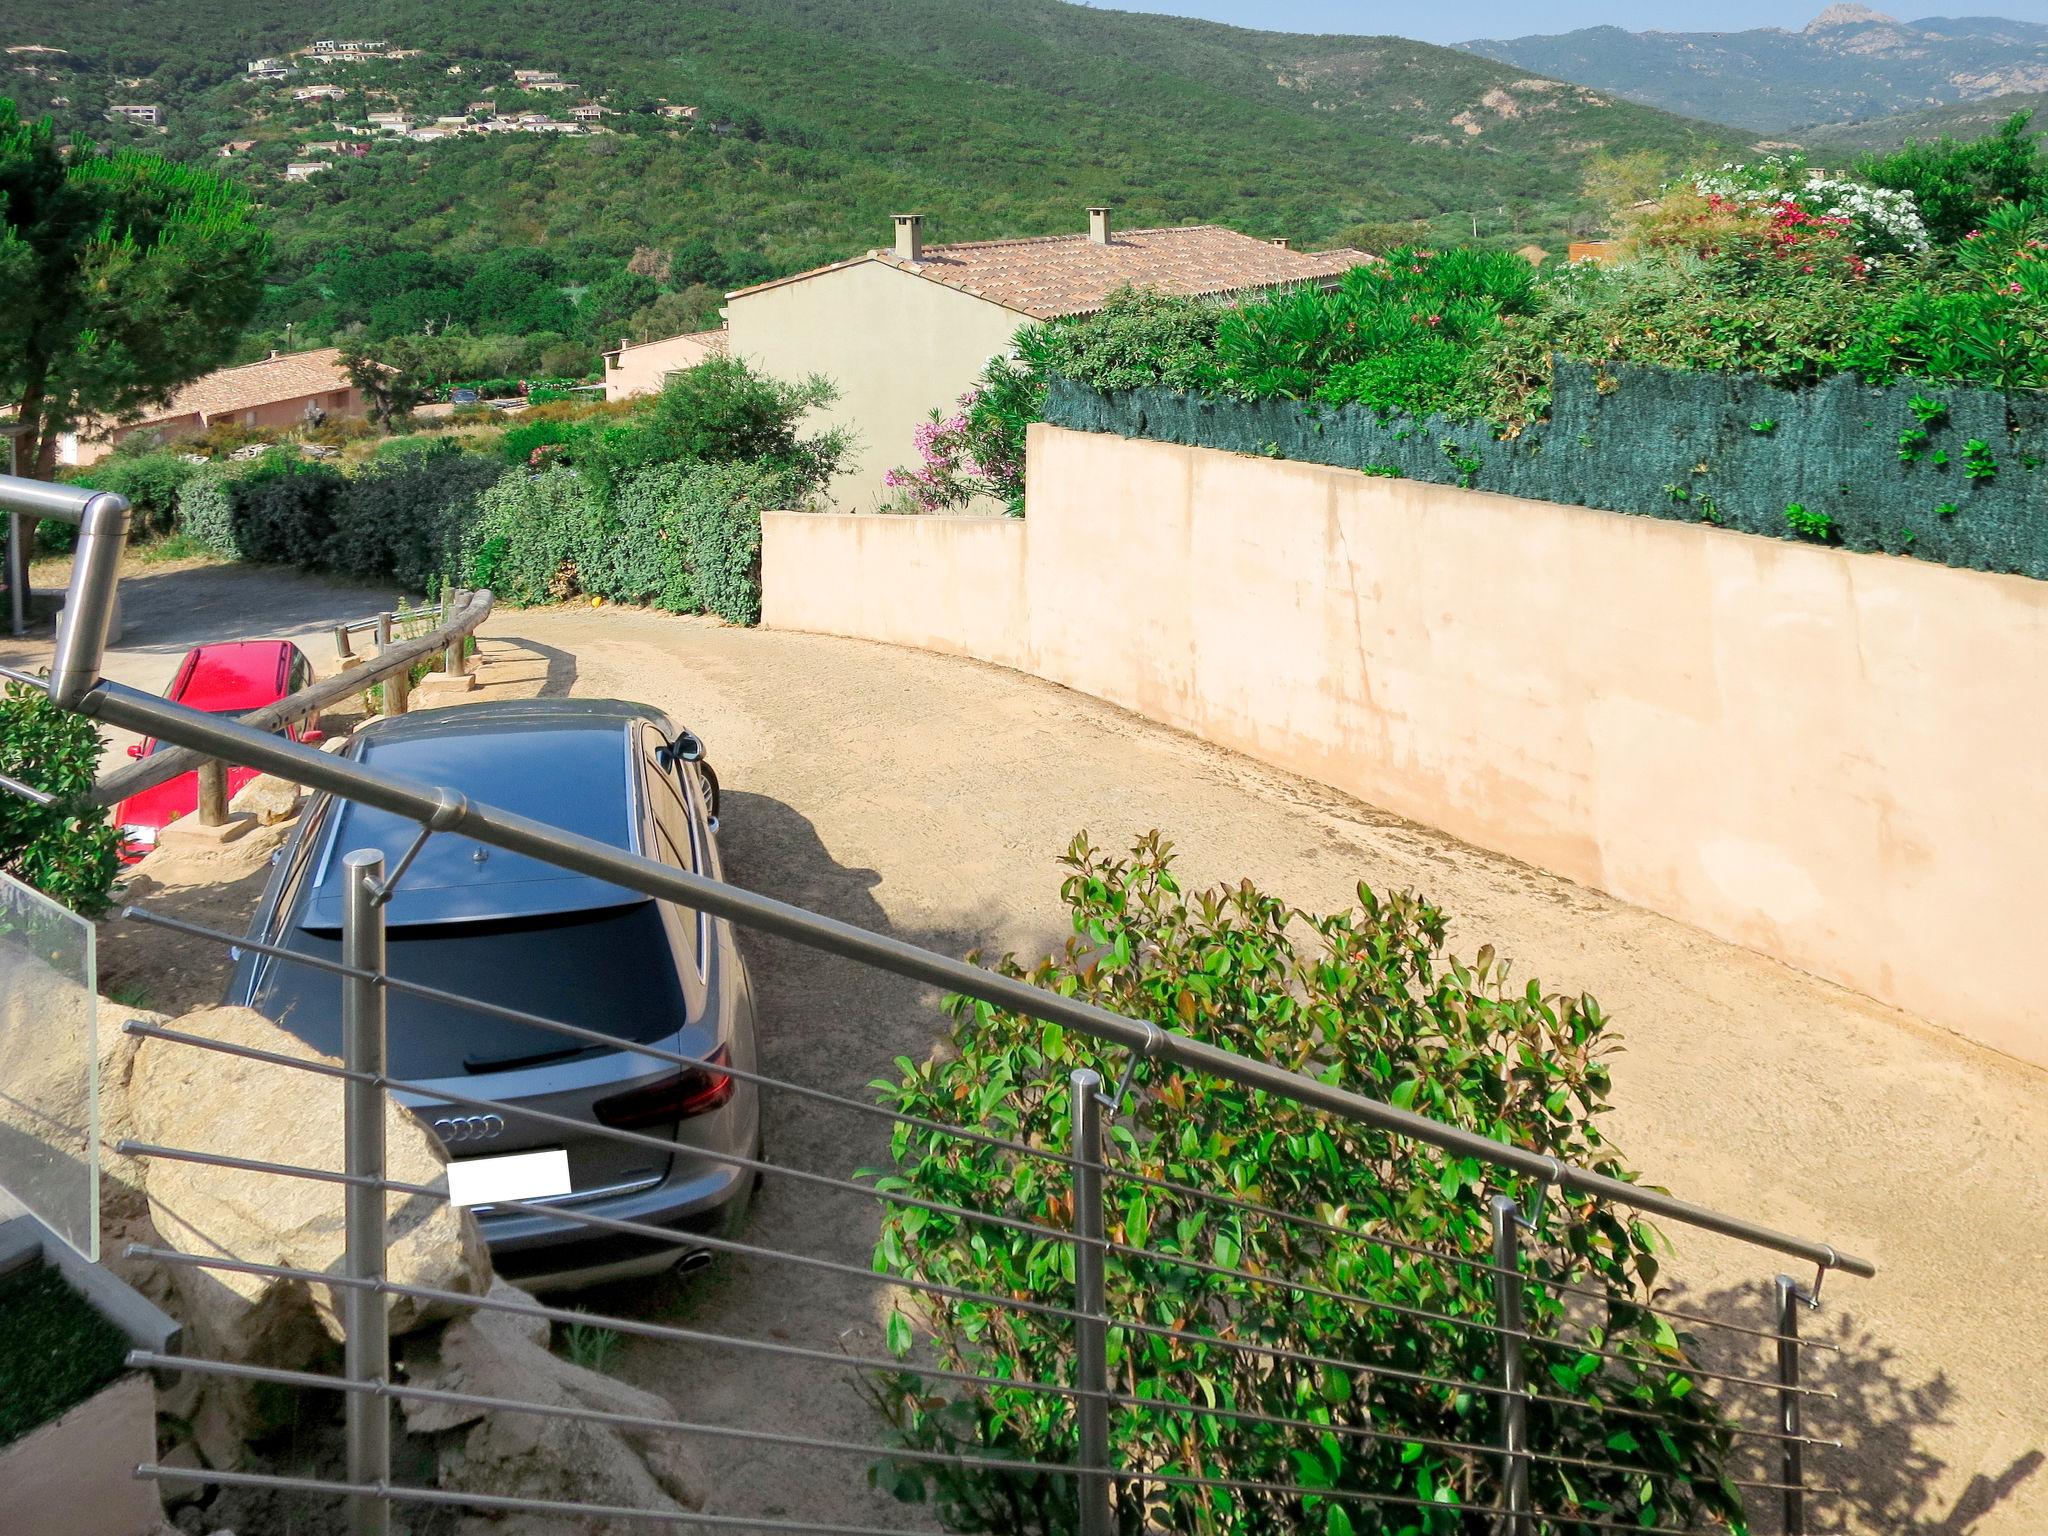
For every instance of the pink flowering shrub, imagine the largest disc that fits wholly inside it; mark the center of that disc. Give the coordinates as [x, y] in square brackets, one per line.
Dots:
[960, 457]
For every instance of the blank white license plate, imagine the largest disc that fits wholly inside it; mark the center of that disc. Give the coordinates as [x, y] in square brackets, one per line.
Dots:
[516, 1176]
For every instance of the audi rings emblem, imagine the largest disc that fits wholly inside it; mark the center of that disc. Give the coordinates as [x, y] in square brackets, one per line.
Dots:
[464, 1128]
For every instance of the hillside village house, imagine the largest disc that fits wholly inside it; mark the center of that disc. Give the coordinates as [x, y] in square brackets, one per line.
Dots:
[901, 331]
[641, 368]
[320, 93]
[273, 393]
[147, 116]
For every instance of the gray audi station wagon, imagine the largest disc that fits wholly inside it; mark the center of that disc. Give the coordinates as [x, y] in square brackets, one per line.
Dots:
[508, 929]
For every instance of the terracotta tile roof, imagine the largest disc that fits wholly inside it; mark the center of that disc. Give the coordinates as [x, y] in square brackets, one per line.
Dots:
[239, 389]
[1049, 276]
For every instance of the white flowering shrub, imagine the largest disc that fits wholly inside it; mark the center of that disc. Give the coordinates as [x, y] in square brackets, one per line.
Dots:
[1787, 193]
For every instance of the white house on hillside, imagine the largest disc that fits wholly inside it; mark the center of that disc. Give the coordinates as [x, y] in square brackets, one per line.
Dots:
[904, 330]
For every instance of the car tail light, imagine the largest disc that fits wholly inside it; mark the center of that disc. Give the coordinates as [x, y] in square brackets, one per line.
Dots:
[690, 1092]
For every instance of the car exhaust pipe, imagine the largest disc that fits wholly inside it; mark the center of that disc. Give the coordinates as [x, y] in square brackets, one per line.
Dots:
[694, 1260]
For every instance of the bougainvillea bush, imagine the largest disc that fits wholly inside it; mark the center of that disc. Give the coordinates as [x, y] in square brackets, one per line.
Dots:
[1367, 998]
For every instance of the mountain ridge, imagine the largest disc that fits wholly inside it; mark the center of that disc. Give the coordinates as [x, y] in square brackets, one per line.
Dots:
[1850, 62]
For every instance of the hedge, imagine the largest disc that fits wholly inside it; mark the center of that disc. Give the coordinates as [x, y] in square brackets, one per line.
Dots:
[683, 537]
[1936, 472]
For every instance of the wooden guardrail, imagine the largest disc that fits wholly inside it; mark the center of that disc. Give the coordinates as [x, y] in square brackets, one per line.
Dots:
[391, 665]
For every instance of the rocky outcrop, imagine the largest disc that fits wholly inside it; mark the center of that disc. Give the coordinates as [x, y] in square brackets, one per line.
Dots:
[269, 799]
[183, 1096]
[529, 1455]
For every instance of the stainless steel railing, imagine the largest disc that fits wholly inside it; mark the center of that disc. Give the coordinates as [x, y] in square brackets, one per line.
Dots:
[1108, 1494]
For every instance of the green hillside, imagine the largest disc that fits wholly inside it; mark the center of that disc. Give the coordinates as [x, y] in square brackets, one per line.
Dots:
[1963, 121]
[1850, 63]
[818, 121]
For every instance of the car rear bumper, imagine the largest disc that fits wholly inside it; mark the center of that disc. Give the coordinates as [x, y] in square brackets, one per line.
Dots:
[540, 1253]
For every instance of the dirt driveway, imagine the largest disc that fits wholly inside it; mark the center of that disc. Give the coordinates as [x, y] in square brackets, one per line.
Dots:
[927, 796]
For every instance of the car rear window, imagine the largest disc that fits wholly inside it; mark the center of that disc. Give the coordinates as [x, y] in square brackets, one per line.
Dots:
[608, 968]
[568, 776]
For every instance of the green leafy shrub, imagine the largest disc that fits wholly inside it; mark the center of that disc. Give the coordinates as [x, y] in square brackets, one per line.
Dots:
[536, 534]
[1959, 185]
[652, 552]
[723, 412]
[529, 443]
[286, 512]
[719, 509]
[1983, 319]
[1138, 339]
[1737, 311]
[409, 519]
[149, 481]
[68, 851]
[1366, 999]
[1396, 336]
[206, 513]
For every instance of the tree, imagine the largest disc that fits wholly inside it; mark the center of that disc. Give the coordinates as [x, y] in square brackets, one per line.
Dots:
[127, 276]
[694, 308]
[607, 304]
[1956, 184]
[392, 382]
[1618, 182]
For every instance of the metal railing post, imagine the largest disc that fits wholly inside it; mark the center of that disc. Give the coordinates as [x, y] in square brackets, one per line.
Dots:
[1791, 1466]
[213, 793]
[1091, 1333]
[366, 1351]
[1514, 1402]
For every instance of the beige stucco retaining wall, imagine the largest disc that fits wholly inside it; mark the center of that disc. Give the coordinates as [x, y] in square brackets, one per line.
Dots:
[1837, 759]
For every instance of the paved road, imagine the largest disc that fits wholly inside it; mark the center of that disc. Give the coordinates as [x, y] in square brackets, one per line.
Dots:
[928, 796]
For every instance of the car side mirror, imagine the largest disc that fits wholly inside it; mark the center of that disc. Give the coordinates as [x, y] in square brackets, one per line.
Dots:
[686, 748]
[312, 738]
[135, 749]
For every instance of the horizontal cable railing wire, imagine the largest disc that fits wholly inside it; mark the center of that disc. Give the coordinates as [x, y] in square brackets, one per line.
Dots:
[435, 994]
[425, 993]
[868, 1275]
[438, 1091]
[1443, 1256]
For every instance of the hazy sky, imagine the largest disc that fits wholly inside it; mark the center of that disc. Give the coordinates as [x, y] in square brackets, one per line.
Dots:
[1453, 21]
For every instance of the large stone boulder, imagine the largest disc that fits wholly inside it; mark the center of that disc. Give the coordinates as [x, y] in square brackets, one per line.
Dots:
[530, 1455]
[184, 1096]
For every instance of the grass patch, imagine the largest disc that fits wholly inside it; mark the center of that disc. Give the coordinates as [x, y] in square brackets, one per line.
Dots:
[55, 1350]
[172, 546]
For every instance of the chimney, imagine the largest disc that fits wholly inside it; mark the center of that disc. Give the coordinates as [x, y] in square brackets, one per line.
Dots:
[1285, 245]
[1098, 225]
[910, 236]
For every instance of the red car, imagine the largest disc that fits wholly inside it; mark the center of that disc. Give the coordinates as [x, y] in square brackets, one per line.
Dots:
[228, 679]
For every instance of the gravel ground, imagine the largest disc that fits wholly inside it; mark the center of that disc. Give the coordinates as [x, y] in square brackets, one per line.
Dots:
[927, 796]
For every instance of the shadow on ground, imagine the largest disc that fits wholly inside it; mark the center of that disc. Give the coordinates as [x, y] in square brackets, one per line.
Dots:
[1882, 1408]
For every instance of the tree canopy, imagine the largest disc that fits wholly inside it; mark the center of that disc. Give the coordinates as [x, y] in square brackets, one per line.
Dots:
[128, 276]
